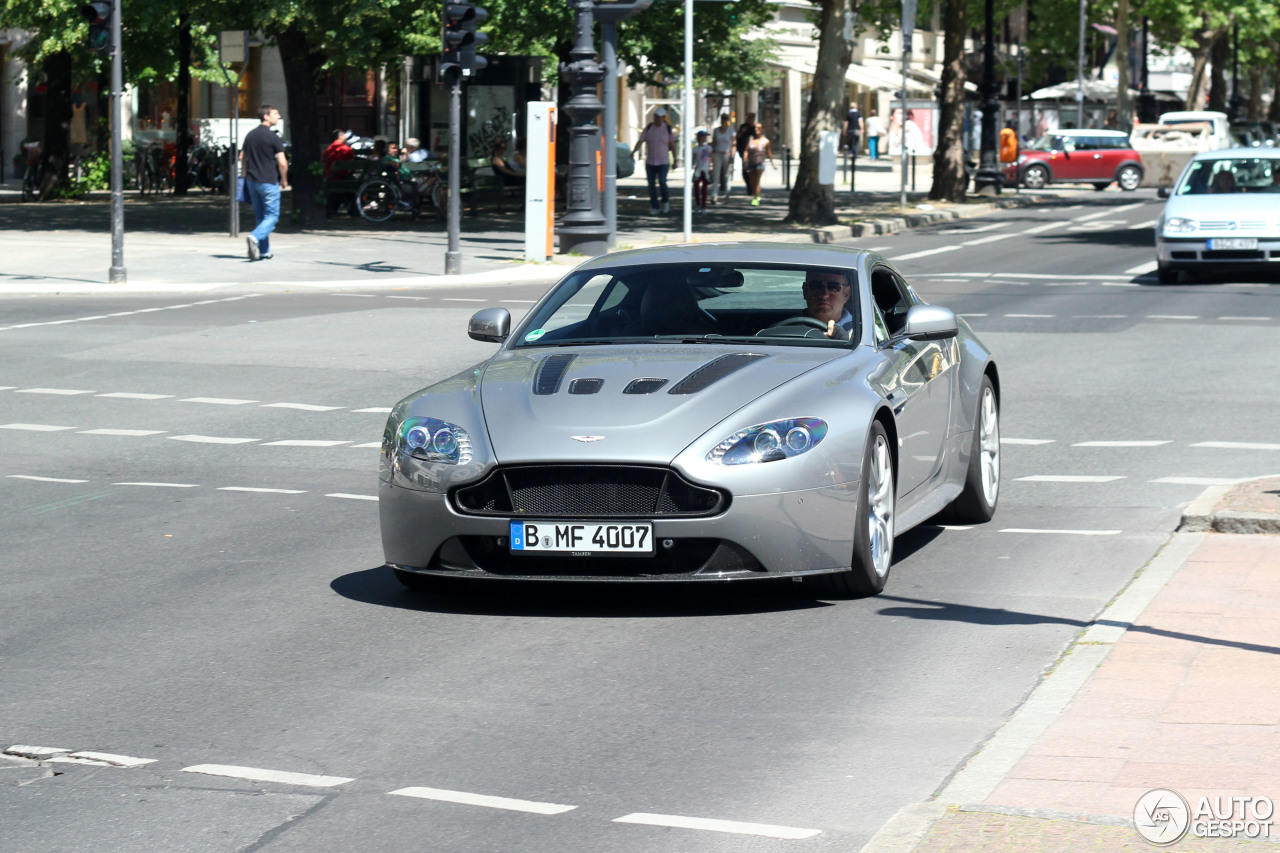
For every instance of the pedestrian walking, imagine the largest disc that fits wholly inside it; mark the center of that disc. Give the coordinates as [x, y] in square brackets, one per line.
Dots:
[758, 150]
[266, 174]
[701, 165]
[853, 130]
[745, 133]
[873, 125]
[659, 140]
[722, 148]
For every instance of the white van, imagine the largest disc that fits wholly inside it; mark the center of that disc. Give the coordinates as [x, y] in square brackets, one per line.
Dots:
[1219, 124]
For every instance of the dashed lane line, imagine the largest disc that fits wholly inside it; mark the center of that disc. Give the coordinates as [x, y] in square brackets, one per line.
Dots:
[1031, 441]
[218, 401]
[62, 392]
[1198, 481]
[1237, 445]
[1070, 478]
[927, 252]
[262, 491]
[1173, 316]
[1155, 443]
[257, 774]
[1250, 319]
[130, 395]
[490, 802]
[1040, 229]
[1063, 531]
[161, 485]
[125, 313]
[1030, 316]
[44, 479]
[304, 407]
[352, 497]
[1110, 211]
[736, 827]
[35, 427]
[212, 439]
[102, 759]
[304, 442]
[981, 241]
[126, 432]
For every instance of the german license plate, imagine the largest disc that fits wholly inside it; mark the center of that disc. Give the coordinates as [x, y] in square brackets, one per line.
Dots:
[582, 538]
[1233, 243]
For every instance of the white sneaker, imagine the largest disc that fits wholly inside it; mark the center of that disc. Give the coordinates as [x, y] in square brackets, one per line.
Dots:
[653, 211]
[666, 208]
[254, 252]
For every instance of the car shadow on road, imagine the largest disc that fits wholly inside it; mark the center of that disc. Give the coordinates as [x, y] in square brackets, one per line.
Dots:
[379, 587]
[950, 612]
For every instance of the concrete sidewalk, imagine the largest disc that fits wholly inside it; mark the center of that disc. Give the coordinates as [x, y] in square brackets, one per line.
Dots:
[1176, 686]
[183, 244]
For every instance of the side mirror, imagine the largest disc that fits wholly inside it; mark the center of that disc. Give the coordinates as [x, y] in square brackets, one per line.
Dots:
[930, 323]
[491, 325]
[1163, 192]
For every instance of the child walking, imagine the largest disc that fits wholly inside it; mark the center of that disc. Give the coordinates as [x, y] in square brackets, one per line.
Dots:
[701, 172]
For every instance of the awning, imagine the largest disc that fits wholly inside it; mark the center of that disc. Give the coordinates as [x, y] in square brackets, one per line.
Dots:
[867, 76]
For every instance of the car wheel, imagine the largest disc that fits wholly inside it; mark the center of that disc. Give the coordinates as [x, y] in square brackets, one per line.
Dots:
[873, 531]
[977, 503]
[1128, 178]
[1166, 275]
[1035, 177]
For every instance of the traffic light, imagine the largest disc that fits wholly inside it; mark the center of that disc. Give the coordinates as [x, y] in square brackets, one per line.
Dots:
[98, 14]
[459, 40]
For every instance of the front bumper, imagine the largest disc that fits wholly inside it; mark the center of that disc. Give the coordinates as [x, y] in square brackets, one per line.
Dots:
[1181, 252]
[786, 534]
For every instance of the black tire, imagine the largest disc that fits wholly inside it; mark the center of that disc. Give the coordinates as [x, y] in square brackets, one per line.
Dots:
[873, 525]
[1100, 185]
[1035, 177]
[976, 504]
[377, 199]
[1166, 275]
[1128, 178]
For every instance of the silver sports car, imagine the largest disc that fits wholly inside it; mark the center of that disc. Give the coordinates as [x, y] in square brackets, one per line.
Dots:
[697, 413]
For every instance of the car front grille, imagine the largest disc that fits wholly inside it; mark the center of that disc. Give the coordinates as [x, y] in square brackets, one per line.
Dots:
[588, 491]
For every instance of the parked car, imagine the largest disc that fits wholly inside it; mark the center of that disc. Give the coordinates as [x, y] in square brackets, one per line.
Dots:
[1097, 157]
[1224, 213]
[1219, 124]
[677, 414]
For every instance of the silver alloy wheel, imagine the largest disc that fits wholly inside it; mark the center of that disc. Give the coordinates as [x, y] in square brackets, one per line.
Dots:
[1035, 177]
[1129, 178]
[880, 499]
[989, 446]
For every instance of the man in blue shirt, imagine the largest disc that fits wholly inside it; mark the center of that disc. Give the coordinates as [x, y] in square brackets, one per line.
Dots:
[826, 292]
[266, 174]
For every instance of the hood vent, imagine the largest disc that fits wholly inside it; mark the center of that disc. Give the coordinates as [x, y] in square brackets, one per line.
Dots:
[713, 371]
[550, 371]
[643, 386]
[585, 386]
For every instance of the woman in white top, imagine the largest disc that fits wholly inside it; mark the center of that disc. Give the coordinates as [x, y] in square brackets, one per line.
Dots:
[722, 139]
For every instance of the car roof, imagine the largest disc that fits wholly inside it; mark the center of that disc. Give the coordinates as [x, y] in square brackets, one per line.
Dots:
[738, 253]
[1239, 154]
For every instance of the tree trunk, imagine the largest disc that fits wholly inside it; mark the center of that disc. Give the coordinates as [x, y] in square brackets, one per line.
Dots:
[183, 119]
[1255, 92]
[950, 182]
[1273, 112]
[1219, 58]
[302, 64]
[812, 203]
[1124, 112]
[56, 149]
[1203, 38]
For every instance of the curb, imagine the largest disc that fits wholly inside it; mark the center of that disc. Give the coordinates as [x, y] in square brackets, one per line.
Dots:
[1202, 515]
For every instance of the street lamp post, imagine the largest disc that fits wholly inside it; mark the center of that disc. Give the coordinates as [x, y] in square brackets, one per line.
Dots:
[583, 227]
[609, 13]
[1146, 98]
[1236, 103]
[989, 180]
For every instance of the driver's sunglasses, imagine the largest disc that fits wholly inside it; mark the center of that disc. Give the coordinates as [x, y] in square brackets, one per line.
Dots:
[829, 286]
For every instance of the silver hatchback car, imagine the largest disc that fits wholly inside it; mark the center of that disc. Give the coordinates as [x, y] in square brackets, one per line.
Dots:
[1224, 213]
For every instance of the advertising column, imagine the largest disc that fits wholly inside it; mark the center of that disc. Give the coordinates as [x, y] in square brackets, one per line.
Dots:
[540, 182]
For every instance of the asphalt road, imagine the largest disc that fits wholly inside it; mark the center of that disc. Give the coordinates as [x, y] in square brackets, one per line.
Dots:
[192, 575]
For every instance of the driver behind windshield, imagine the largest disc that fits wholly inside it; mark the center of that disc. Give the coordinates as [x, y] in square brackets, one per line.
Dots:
[826, 293]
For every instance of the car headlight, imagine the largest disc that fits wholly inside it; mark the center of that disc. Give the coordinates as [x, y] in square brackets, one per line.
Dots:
[769, 442]
[1180, 225]
[433, 440]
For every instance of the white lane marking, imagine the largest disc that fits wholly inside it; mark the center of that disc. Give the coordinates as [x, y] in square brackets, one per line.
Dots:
[44, 479]
[7, 387]
[1119, 284]
[1172, 317]
[1027, 440]
[992, 239]
[1072, 207]
[1155, 443]
[263, 491]
[1110, 211]
[924, 254]
[534, 301]
[375, 409]
[1031, 316]
[305, 407]
[36, 752]
[409, 297]
[126, 313]
[976, 230]
[360, 295]
[352, 497]
[211, 439]
[1068, 532]
[1068, 284]
[974, 315]
[1137, 226]
[460, 299]
[217, 401]
[161, 485]
[120, 432]
[103, 759]
[256, 774]
[1040, 229]
[489, 802]
[1142, 269]
[1237, 445]
[1197, 481]
[1070, 478]
[304, 442]
[733, 826]
[65, 392]
[1098, 316]
[369, 444]
[128, 395]
[1051, 276]
[1258, 319]
[35, 427]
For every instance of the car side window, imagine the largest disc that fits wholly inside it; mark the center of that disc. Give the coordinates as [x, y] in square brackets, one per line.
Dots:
[890, 296]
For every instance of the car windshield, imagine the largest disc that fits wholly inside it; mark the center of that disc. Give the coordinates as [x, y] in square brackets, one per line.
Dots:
[1231, 175]
[698, 303]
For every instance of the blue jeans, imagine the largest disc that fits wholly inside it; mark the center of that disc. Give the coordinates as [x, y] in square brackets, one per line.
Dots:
[873, 146]
[266, 210]
[657, 176]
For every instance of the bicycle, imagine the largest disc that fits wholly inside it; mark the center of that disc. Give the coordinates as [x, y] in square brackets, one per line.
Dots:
[31, 182]
[381, 195]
